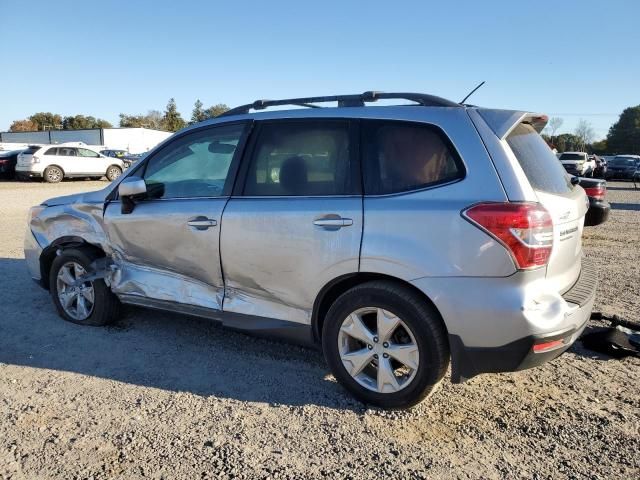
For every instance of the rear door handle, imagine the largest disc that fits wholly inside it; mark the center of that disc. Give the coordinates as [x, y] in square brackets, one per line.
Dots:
[202, 223]
[333, 222]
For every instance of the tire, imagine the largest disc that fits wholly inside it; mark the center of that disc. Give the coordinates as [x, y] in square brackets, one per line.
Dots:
[421, 326]
[113, 172]
[105, 307]
[53, 174]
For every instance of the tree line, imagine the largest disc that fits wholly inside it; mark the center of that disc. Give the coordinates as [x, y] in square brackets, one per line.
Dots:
[170, 120]
[623, 135]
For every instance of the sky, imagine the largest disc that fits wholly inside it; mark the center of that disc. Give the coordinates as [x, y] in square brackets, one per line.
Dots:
[572, 59]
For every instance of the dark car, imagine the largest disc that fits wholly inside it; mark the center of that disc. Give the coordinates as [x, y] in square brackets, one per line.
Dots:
[596, 190]
[113, 153]
[624, 167]
[8, 162]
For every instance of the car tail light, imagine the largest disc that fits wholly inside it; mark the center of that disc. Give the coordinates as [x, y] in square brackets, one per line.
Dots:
[35, 159]
[598, 192]
[525, 230]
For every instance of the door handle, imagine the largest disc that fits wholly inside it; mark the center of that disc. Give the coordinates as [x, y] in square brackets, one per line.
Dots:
[202, 223]
[333, 222]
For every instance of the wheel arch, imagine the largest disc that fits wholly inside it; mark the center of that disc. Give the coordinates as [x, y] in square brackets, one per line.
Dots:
[49, 253]
[331, 291]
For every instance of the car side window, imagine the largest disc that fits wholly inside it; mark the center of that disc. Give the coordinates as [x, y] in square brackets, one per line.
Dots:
[84, 152]
[197, 164]
[403, 156]
[67, 152]
[301, 158]
[51, 151]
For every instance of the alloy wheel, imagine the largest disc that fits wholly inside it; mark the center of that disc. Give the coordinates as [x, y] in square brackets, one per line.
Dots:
[77, 297]
[378, 350]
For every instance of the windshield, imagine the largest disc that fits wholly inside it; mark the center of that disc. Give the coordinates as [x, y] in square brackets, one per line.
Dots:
[571, 156]
[622, 162]
[540, 165]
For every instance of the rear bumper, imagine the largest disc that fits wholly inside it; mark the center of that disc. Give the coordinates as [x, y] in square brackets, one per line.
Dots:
[598, 212]
[509, 324]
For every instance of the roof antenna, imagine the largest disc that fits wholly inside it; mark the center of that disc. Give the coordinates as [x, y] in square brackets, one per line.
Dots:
[472, 92]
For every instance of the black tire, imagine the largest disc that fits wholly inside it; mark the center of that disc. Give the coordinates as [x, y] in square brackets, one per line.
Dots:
[106, 306]
[113, 172]
[53, 174]
[425, 325]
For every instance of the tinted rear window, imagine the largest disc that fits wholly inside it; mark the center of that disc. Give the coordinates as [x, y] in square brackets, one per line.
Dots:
[402, 156]
[32, 150]
[571, 156]
[540, 165]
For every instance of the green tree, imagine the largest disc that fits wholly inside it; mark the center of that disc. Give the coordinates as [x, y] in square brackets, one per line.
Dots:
[599, 148]
[23, 126]
[46, 120]
[567, 142]
[172, 120]
[78, 122]
[624, 135]
[153, 119]
[216, 110]
[198, 114]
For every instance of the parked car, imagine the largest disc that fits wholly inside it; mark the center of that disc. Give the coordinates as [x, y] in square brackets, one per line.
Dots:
[114, 153]
[624, 167]
[53, 163]
[596, 190]
[8, 160]
[398, 238]
[578, 164]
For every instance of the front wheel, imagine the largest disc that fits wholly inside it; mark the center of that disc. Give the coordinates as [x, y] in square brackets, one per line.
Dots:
[85, 302]
[385, 344]
[113, 172]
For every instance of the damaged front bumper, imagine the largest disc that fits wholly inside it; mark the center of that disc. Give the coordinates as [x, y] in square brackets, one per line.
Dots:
[32, 252]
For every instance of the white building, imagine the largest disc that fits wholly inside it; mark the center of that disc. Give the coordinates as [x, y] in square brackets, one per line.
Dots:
[133, 140]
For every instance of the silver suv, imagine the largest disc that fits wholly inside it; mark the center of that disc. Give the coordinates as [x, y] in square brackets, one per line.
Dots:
[399, 238]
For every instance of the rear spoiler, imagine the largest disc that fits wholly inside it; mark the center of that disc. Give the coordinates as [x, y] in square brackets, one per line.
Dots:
[503, 121]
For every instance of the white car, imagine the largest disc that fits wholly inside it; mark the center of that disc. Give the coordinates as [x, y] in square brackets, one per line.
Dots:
[55, 162]
[578, 163]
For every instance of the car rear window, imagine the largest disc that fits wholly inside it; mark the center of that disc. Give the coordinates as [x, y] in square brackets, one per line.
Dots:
[32, 149]
[542, 168]
[571, 156]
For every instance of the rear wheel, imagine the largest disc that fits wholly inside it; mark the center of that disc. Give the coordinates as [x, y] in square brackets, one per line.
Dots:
[53, 174]
[113, 172]
[85, 302]
[385, 344]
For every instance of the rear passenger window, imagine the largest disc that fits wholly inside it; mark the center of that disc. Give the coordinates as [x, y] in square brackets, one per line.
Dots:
[401, 156]
[51, 151]
[301, 159]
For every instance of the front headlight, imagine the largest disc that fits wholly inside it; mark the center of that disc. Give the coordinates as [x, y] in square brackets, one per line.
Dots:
[35, 211]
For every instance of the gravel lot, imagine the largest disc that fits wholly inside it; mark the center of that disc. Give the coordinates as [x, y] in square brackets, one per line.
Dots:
[168, 396]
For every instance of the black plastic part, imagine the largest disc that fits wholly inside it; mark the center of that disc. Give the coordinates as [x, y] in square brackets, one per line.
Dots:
[598, 212]
[354, 100]
[467, 362]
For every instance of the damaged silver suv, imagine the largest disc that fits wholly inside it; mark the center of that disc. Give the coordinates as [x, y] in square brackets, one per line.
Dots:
[399, 238]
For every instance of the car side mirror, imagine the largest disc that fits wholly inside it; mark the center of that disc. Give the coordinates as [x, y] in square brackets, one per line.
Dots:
[130, 189]
[575, 180]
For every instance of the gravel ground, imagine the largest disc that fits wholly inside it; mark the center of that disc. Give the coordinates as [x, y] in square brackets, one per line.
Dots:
[168, 396]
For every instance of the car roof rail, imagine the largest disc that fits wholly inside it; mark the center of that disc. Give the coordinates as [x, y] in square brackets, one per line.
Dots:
[355, 100]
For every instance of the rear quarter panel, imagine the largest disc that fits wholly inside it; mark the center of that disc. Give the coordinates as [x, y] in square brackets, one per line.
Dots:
[422, 233]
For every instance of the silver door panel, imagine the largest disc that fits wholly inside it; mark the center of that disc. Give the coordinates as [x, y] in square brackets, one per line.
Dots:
[276, 260]
[179, 252]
